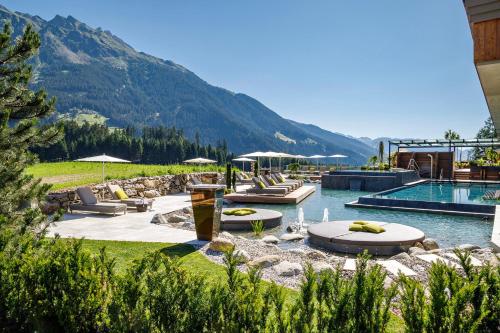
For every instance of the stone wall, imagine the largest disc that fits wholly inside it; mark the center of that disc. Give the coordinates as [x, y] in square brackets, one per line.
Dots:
[141, 187]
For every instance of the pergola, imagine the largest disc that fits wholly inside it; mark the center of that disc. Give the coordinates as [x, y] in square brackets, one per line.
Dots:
[443, 143]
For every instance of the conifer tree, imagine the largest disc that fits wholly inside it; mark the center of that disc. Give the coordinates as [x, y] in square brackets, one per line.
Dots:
[21, 109]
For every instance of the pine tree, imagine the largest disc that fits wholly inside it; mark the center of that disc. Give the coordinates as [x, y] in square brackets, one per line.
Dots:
[20, 111]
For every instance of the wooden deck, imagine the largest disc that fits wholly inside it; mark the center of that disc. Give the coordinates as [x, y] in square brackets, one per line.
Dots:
[293, 198]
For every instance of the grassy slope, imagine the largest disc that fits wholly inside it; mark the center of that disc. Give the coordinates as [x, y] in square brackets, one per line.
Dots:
[70, 174]
[126, 252]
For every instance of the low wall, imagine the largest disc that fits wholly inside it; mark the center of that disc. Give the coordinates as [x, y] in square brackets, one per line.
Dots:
[141, 187]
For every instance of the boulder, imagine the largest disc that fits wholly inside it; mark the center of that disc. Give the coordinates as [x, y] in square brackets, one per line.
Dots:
[270, 239]
[321, 266]
[315, 254]
[415, 250]
[149, 184]
[241, 237]
[401, 256]
[187, 210]
[420, 245]
[265, 261]
[241, 255]
[435, 251]
[388, 282]
[287, 268]
[176, 218]
[226, 235]
[297, 251]
[221, 245]
[469, 247]
[291, 237]
[49, 208]
[430, 244]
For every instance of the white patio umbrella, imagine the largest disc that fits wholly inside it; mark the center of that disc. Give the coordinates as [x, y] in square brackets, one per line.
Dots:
[283, 155]
[337, 156]
[199, 160]
[102, 158]
[317, 157]
[254, 154]
[243, 160]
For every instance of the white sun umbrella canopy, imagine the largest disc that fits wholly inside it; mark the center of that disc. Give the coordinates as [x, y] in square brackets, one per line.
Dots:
[103, 159]
[199, 160]
[317, 157]
[243, 160]
[337, 156]
[256, 154]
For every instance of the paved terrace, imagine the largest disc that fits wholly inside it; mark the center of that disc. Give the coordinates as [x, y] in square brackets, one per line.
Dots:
[133, 226]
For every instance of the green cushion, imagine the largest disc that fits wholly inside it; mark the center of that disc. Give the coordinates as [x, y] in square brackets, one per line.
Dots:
[261, 184]
[239, 212]
[281, 178]
[272, 181]
[360, 222]
[374, 228]
[120, 194]
[355, 227]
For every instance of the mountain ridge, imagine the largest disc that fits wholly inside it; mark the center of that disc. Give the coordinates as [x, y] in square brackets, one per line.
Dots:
[92, 69]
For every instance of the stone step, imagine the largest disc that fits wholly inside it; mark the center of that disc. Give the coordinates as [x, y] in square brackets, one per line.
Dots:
[350, 264]
[474, 261]
[432, 258]
[395, 267]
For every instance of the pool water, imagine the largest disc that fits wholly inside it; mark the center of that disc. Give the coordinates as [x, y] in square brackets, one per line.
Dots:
[463, 193]
[448, 230]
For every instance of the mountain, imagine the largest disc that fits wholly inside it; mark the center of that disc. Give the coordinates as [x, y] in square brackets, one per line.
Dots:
[91, 71]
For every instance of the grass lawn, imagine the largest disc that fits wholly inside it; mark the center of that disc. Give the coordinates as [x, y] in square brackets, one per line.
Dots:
[71, 174]
[126, 252]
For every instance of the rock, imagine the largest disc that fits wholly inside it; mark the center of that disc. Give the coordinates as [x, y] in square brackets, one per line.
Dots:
[430, 244]
[242, 255]
[221, 245]
[241, 237]
[265, 261]
[494, 261]
[175, 218]
[469, 247]
[149, 184]
[420, 245]
[315, 254]
[226, 235]
[187, 210]
[287, 268]
[434, 251]
[321, 266]
[388, 282]
[188, 225]
[297, 251]
[151, 194]
[159, 219]
[401, 256]
[291, 237]
[415, 250]
[49, 208]
[270, 239]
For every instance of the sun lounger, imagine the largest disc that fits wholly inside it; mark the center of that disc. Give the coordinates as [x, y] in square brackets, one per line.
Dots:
[267, 180]
[278, 177]
[257, 189]
[91, 204]
[269, 185]
[130, 202]
[241, 179]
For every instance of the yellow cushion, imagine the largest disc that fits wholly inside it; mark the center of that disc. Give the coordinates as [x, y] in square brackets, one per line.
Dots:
[281, 178]
[244, 175]
[360, 222]
[261, 185]
[355, 227]
[272, 181]
[120, 194]
[374, 228]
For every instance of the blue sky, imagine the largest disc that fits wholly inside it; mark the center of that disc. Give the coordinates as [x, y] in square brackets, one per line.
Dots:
[363, 68]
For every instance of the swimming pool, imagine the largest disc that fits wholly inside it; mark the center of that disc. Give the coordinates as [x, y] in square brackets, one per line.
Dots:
[463, 193]
[448, 230]
[465, 198]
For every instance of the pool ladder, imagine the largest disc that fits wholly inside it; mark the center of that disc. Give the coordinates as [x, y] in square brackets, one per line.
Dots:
[413, 165]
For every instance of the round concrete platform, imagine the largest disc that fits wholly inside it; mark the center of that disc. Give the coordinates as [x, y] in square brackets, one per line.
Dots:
[337, 237]
[270, 218]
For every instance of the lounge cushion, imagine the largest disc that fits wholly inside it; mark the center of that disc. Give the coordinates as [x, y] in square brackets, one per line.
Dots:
[374, 228]
[360, 222]
[272, 181]
[86, 195]
[120, 194]
[262, 185]
[355, 227]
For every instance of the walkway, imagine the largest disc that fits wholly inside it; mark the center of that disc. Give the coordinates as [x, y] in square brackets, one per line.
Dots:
[130, 227]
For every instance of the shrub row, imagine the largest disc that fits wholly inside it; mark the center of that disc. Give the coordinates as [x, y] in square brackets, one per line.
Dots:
[56, 286]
